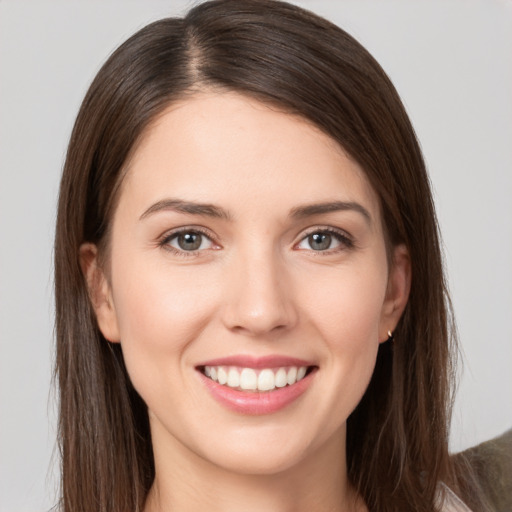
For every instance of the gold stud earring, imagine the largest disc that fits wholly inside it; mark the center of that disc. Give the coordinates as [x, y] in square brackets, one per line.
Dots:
[391, 338]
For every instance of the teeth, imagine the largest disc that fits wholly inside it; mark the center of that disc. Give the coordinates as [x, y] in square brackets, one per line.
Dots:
[266, 380]
[281, 378]
[233, 378]
[248, 379]
[222, 376]
[291, 376]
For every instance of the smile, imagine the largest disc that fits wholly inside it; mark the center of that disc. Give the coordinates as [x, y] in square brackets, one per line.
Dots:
[250, 379]
[254, 386]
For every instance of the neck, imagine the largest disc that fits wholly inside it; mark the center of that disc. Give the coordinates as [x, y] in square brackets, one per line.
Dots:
[184, 481]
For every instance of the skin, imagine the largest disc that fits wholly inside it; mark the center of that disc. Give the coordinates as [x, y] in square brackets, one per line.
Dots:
[255, 287]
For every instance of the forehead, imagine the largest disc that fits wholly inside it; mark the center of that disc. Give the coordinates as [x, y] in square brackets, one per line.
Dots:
[234, 150]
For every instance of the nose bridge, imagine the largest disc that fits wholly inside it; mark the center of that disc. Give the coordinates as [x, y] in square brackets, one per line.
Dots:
[259, 300]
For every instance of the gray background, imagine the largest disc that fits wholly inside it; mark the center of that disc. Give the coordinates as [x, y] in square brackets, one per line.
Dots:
[451, 63]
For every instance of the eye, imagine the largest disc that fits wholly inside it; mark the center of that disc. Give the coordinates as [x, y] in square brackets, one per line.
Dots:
[324, 240]
[188, 241]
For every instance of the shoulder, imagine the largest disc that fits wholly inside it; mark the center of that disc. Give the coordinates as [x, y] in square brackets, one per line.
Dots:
[449, 501]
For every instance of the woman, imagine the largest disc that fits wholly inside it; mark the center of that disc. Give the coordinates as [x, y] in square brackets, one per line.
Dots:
[251, 309]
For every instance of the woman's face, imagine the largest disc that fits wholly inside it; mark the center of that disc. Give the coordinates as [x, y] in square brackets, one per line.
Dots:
[247, 248]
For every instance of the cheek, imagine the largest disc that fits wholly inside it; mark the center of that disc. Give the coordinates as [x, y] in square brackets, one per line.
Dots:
[347, 306]
[159, 311]
[345, 310]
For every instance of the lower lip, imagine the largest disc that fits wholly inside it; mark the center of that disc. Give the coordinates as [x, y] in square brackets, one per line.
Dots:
[257, 402]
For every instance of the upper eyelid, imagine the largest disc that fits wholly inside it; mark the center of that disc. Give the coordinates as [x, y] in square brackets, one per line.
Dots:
[325, 229]
[170, 233]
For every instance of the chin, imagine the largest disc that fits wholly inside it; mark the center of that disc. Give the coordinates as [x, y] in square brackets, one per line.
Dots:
[257, 460]
[269, 449]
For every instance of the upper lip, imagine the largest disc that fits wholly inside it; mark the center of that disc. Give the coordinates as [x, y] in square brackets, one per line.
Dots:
[247, 361]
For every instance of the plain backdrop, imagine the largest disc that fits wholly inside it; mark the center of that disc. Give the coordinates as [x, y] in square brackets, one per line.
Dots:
[450, 61]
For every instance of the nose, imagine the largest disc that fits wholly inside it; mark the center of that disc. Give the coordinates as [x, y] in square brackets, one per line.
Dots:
[260, 298]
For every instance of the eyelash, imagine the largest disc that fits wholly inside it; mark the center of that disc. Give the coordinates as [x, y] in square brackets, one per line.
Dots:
[165, 240]
[343, 238]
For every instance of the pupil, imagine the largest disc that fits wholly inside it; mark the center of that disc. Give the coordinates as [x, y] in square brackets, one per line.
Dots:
[189, 241]
[320, 241]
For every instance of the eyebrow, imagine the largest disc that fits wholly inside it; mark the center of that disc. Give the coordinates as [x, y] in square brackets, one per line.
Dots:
[210, 210]
[332, 206]
[178, 205]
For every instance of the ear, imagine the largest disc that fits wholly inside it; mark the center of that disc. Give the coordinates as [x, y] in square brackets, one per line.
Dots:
[397, 292]
[100, 293]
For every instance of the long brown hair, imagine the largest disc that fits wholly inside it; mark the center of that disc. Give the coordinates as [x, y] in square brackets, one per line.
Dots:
[397, 441]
